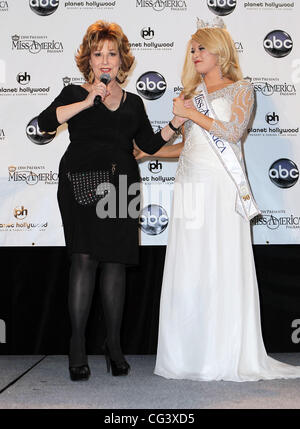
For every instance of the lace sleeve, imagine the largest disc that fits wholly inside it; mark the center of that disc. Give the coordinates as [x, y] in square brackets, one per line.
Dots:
[241, 110]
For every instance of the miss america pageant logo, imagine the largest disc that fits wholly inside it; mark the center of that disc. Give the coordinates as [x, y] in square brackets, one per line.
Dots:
[36, 44]
[160, 5]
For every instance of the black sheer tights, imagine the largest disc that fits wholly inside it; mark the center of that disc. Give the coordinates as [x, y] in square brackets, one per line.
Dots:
[81, 289]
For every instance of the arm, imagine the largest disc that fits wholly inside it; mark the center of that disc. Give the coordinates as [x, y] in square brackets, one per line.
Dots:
[64, 113]
[62, 109]
[145, 138]
[231, 130]
[172, 151]
[241, 110]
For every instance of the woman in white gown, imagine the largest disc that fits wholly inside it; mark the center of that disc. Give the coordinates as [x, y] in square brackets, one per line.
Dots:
[209, 326]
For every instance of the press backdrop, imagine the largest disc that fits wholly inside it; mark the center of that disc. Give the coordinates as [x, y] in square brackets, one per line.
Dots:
[38, 41]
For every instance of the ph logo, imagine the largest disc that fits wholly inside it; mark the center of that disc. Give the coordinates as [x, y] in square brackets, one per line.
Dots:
[20, 212]
[284, 173]
[221, 7]
[153, 219]
[151, 85]
[155, 166]
[272, 118]
[296, 332]
[23, 78]
[37, 136]
[147, 33]
[2, 331]
[278, 43]
[43, 7]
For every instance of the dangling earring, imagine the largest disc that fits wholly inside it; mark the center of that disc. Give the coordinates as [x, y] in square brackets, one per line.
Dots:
[220, 73]
[91, 76]
[220, 69]
[121, 75]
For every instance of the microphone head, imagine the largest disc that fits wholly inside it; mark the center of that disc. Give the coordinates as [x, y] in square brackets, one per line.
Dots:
[105, 78]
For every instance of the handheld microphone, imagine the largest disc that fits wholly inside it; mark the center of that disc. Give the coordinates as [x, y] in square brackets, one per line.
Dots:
[104, 78]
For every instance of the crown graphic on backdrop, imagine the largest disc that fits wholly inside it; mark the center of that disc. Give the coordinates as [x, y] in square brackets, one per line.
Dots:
[217, 22]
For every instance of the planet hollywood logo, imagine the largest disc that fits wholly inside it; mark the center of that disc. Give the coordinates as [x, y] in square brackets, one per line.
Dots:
[23, 79]
[160, 5]
[221, 7]
[151, 85]
[24, 226]
[96, 5]
[155, 166]
[3, 6]
[278, 43]
[153, 219]
[284, 173]
[272, 119]
[43, 7]
[147, 33]
[20, 213]
[37, 136]
[36, 44]
[271, 86]
[275, 222]
[274, 5]
[32, 174]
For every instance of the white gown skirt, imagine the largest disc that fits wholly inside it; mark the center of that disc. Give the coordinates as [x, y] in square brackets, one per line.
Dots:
[209, 327]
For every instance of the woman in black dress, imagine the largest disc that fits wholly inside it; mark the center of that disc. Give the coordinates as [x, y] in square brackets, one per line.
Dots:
[101, 149]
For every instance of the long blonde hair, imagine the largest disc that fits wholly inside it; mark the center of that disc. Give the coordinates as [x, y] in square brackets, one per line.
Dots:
[217, 41]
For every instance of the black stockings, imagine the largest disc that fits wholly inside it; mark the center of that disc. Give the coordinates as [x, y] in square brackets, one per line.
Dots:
[81, 289]
[112, 286]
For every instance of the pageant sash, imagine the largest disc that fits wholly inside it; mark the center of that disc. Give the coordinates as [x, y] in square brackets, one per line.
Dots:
[245, 204]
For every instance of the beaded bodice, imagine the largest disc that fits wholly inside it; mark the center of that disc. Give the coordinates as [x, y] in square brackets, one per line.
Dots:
[232, 107]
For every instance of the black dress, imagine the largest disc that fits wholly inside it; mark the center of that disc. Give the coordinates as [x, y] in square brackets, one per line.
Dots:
[99, 138]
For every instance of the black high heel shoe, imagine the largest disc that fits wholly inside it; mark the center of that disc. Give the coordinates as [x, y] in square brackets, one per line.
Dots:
[78, 373]
[117, 368]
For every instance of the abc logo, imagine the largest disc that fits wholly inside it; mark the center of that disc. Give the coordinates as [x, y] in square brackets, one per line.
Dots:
[36, 135]
[284, 173]
[23, 78]
[147, 33]
[151, 85]
[272, 118]
[43, 7]
[155, 167]
[221, 7]
[153, 219]
[278, 43]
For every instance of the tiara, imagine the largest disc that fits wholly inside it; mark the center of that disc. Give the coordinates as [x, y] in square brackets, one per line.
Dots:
[217, 22]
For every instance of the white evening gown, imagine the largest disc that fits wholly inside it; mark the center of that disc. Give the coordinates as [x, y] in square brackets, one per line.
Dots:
[209, 326]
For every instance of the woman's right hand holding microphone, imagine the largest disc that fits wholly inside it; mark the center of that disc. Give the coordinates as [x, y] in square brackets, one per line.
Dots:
[97, 89]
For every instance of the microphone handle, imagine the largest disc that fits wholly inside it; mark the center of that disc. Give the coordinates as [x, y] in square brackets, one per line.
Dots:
[97, 100]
